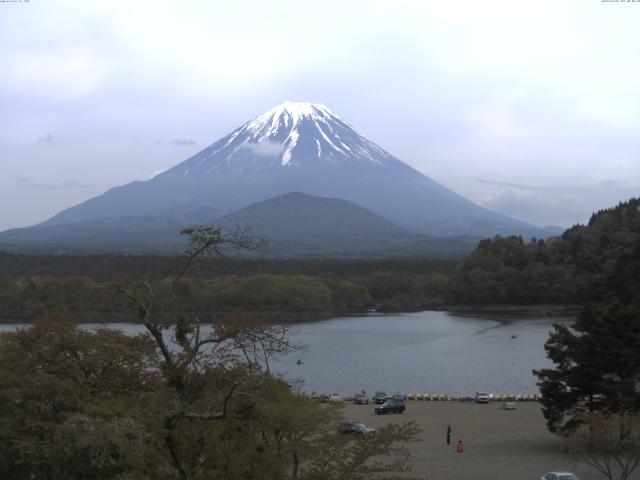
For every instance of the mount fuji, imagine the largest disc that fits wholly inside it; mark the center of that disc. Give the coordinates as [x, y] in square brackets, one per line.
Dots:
[298, 147]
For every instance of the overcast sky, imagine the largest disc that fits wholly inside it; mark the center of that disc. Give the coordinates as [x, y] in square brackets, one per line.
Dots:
[530, 108]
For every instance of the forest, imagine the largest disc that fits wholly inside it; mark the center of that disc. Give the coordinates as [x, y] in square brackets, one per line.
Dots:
[571, 269]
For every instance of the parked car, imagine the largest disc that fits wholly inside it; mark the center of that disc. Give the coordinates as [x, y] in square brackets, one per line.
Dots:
[334, 398]
[509, 402]
[380, 397]
[361, 398]
[482, 397]
[559, 476]
[399, 396]
[356, 427]
[590, 399]
[392, 406]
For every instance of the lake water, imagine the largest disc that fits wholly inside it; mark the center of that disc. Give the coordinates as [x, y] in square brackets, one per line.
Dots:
[434, 352]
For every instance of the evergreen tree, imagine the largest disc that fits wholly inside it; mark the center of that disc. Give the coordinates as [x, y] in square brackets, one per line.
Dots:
[598, 358]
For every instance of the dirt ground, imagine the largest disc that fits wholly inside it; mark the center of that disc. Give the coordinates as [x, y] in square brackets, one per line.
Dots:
[499, 444]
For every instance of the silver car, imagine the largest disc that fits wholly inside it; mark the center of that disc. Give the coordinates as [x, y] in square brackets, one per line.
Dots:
[509, 403]
[559, 476]
[356, 427]
[361, 399]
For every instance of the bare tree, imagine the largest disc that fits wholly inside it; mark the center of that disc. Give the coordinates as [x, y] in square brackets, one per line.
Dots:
[610, 443]
[205, 368]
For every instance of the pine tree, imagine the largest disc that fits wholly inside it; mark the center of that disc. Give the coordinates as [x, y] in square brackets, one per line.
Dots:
[597, 359]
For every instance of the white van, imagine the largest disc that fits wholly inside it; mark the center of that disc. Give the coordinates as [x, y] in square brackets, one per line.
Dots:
[482, 397]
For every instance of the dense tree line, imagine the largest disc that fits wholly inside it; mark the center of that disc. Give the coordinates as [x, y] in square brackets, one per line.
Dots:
[597, 358]
[107, 267]
[292, 297]
[285, 294]
[591, 395]
[571, 269]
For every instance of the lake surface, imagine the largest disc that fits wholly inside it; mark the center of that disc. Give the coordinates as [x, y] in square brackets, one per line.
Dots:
[434, 352]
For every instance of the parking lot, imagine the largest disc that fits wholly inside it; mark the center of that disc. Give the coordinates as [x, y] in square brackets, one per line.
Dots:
[499, 444]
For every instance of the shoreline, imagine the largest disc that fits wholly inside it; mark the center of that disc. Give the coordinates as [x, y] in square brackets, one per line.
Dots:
[524, 310]
[291, 318]
[542, 310]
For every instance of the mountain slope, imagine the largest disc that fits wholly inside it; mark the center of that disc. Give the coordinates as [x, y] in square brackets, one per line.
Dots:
[129, 233]
[306, 148]
[294, 224]
[113, 234]
[297, 215]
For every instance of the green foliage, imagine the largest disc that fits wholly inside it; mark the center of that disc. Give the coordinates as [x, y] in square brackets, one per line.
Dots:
[386, 284]
[68, 398]
[79, 404]
[597, 360]
[34, 284]
[291, 293]
[346, 295]
[396, 290]
[572, 269]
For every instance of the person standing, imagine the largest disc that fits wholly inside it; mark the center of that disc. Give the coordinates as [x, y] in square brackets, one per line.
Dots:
[448, 434]
[460, 447]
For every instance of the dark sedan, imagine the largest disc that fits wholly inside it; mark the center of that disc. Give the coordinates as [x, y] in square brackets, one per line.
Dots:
[392, 406]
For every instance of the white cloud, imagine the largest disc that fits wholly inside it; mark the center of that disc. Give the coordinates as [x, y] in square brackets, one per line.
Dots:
[266, 148]
[561, 205]
[157, 172]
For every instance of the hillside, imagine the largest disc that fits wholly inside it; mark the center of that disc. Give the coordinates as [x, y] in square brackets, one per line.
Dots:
[139, 234]
[299, 215]
[570, 269]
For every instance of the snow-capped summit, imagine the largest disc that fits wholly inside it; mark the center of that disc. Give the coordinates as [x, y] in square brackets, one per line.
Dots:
[295, 111]
[289, 135]
[299, 147]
